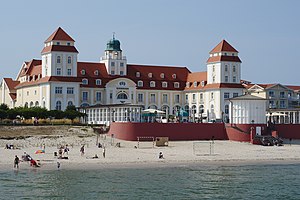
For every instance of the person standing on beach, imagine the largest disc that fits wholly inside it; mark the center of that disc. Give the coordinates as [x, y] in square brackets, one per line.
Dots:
[103, 152]
[82, 150]
[16, 163]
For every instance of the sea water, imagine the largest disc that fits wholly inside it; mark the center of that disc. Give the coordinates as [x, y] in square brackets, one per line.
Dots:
[182, 182]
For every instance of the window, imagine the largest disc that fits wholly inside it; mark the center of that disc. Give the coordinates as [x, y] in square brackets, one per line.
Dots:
[58, 90]
[112, 72]
[152, 98]
[214, 79]
[69, 60]
[140, 97]
[194, 97]
[187, 84]
[137, 74]
[282, 104]
[177, 98]
[70, 90]
[233, 69]
[34, 92]
[272, 104]
[85, 96]
[162, 75]
[226, 68]
[176, 85]
[235, 94]
[58, 105]
[121, 64]
[225, 54]
[201, 96]
[226, 79]
[112, 64]
[165, 98]
[140, 83]
[234, 79]
[271, 94]
[96, 72]
[174, 76]
[195, 84]
[282, 94]
[121, 73]
[58, 71]
[186, 98]
[122, 83]
[226, 95]
[85, 81]
[150, 75]
[110, 95]
[213, 68]
[69, 72]
[58, 59]
[98, 96]
[122, 96]
[212, 95]
[98, 81]
[202, 83]
[82, 72]
[68, 44]
[164, 84]
[227, 109]
[57, 43]
[152, 83]
[70, 103]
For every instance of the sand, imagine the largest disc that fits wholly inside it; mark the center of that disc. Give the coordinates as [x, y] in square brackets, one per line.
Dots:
[177, 153]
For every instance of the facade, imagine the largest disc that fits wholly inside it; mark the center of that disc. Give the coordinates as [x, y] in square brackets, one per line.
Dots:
[58, 79]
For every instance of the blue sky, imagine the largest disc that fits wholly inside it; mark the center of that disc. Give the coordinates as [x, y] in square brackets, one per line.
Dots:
[169, 32]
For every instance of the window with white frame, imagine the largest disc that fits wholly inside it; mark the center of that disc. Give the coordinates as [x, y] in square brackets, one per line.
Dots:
[137, 74]
[165, 98]
[194, 97]
[58, 59]
[176, 85]
[122, 95]
[70, 103]
[58, 71]
[69, 60]
[112, 72]
[96, 72]
[195, 84]
[282, 104]
[150, 75]
[68, 44]
[212, 95]
[164, 84]
[227, 109]
[98, 81]
[186, 98]
[271, 93]
[58, 105]
[58, 90]
[174, 76]
[272, 104]
[235, 94]
[226, 79]
[187, 84]
[69, 72]
[177, 98]
[85, 81]
[85, 96]
[140, 97]
[201, 96]
[121, 73]
[70, 90]
[282, 94]
[162, 75]
[226, 68]
[140, 83]
[234, 79]
[152, 83]
[57, 43]
[233, 69]
[122, 83]
[213, 68]
[202, 83]
[121, 64]
[98, 96]
[82, 72]
[214, 79]
[112, 64]
[226, 95]
[152, 98]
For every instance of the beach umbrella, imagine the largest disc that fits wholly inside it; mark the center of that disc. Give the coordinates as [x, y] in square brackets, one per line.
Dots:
[153, 111]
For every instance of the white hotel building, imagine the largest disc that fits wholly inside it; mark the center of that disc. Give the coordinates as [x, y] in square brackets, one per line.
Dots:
[114, 90]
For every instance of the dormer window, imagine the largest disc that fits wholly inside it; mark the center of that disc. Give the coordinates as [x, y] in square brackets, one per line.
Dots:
[137, 74]
[162, 75]
[176, 85]
[152, 83]
[85, 81]
[150, 75]
[69, 60]
[68, 44]
[122, 83]
[96, 72]
[202, 83]
[98, 81]
[225, 54]
[82, 72]
[57, 43]
[58, 59]
[174, 76]
[187, 84]
[195, 84]
[140, 83]
[232, 54]
[164, 84]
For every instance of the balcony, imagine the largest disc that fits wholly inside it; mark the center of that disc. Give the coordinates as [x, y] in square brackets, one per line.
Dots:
[113, 57]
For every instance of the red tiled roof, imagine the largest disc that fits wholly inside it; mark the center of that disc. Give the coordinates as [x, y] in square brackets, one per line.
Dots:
[13, 96]
[293, 87]
[223, 85]
[11, 84]
[223, 46]
[61, 48]
[196, 76]
[30, 66]
[60, 34]
[223, 58]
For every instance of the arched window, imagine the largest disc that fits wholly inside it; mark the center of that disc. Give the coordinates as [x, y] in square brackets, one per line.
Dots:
[36, 104]
[70, 103]
[166, 109]
[152, 83]
[122, 96]
[85, 81]
[85, 105]
[96, 72]
[58, 59]
[176, 109]
[152, 107]
[69, 60]
[83, 72]
[162, 75]
[31, 104]
[164, 84]
[150, 75]
[138, 74]
[58, 105]
[122, 83]
[140, 84]
[98, 81]
[174, 76]
[26, 105]
[194, 109]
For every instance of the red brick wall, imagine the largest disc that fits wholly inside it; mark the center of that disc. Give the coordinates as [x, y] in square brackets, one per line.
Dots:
[288, 130]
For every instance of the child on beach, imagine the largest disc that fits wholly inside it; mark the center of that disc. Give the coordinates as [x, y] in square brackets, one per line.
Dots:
[82, 150]
[103, 152]
[16, 163]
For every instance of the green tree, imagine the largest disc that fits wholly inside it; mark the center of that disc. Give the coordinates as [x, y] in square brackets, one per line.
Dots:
[4, 106]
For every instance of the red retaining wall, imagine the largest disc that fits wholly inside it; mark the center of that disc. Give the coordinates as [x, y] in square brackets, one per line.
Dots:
[241, 132]
[288, 130]
[175, 131]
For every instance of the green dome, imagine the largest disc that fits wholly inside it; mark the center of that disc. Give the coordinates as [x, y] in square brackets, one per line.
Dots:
[113, 45]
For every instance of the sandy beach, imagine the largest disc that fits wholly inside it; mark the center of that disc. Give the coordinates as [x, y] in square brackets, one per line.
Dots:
[177, 153]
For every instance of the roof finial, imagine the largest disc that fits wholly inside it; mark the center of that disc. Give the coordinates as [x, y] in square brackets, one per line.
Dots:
[114, 33]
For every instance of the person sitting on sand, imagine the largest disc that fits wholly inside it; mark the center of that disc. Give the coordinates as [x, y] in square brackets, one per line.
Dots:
[160, 155]
[95, 156]
[33, 163]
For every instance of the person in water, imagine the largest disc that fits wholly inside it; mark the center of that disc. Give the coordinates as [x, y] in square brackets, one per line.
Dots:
[16, 162]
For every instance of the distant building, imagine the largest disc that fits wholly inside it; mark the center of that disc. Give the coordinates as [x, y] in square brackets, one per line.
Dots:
[114, 90]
